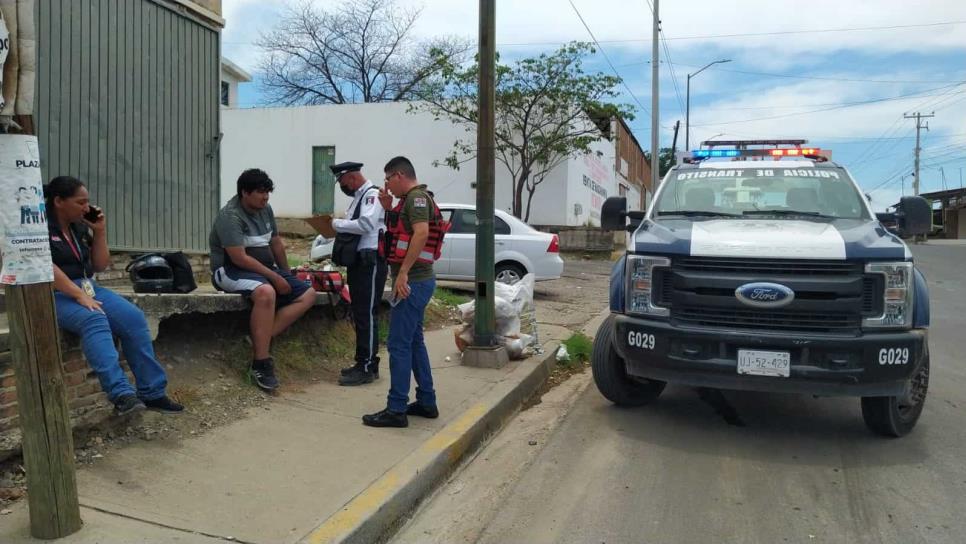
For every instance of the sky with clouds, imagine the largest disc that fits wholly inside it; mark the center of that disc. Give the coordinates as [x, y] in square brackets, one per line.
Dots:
[841, 74]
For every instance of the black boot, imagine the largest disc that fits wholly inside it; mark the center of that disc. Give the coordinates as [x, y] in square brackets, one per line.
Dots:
[357, 376]
[386, 418]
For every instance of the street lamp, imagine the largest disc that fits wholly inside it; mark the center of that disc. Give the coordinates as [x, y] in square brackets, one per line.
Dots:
[687, 114]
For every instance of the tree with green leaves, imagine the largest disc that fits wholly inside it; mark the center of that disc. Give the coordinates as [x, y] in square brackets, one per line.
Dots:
[665, 160]
[547, 111]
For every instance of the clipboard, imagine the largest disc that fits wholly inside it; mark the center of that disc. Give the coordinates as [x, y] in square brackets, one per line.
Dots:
[322, 224]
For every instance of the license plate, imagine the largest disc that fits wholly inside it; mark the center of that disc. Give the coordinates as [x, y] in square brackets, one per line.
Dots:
[764, 363]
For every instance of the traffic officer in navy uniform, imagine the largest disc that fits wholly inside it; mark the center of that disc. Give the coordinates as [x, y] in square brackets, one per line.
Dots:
[357, 248]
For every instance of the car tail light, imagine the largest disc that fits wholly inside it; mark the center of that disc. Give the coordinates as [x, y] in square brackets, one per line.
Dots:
[554, 245]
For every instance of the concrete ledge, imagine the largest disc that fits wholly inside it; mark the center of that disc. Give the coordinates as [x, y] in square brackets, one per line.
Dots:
[386, 502]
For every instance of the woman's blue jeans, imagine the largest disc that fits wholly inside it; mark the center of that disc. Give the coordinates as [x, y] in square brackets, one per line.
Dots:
[97, 331]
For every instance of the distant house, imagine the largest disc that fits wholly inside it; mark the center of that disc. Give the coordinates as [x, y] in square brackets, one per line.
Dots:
[231, 76]
[127, 100]
[296, 145]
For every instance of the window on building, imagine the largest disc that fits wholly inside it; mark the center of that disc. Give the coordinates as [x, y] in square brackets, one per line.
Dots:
[224, 93]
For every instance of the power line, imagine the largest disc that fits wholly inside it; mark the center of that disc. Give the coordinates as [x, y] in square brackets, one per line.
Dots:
[754, 34]
[604, 53]
[719, 36]
[674, 77]
[794, 76]
[847, 105]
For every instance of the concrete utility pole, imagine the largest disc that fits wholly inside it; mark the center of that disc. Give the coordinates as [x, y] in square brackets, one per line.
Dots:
[655, 102]
[919, 126]
[484, 351]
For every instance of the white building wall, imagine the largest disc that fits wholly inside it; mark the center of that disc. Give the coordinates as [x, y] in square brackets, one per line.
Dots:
[280, 141]
[591, 179]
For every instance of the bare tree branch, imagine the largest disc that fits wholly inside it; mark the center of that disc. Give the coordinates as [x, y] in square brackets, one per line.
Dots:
[362, 50]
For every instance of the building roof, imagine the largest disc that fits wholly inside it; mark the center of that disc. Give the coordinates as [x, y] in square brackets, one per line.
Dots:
[234, 70]
[941, 195]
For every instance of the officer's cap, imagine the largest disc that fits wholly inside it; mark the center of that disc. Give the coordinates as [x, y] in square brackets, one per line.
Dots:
[344, 168]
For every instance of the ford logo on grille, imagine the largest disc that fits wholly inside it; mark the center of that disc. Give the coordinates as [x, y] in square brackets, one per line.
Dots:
[765, 295]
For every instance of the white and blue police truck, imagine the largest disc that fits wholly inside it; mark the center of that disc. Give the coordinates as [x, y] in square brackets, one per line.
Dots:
[763, 267]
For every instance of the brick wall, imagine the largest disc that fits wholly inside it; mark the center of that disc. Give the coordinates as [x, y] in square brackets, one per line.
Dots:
[88, 405]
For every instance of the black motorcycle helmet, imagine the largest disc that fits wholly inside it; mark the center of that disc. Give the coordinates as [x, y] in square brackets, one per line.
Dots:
[151, 274]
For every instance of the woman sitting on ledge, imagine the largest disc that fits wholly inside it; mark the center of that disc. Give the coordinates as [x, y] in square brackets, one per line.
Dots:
[78, 246]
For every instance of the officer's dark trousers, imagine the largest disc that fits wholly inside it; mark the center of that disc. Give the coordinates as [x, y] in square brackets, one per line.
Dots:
[367, 279]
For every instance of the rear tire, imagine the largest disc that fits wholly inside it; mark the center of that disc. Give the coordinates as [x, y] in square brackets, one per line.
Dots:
[896, 416]
[610, 374]
[509, 273]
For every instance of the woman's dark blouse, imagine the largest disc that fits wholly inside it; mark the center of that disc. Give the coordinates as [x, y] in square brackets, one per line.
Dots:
[65, 258]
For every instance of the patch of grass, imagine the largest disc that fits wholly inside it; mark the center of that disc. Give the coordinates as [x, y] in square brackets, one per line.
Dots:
[294, 262]
[579, 346]
[450, 297]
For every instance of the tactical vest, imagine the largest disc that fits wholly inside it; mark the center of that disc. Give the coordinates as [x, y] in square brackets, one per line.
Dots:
[395, 242]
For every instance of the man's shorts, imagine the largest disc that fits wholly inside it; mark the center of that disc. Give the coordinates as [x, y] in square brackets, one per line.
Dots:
[231, 279]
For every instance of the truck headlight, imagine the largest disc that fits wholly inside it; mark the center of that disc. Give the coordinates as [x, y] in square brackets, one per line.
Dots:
[898, 295]
[640, 285]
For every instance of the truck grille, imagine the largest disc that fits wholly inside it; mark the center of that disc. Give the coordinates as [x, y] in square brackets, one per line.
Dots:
[770, 320]
[831, 297]
[769, 267]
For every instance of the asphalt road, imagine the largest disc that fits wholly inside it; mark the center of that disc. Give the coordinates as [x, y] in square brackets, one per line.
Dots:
[737, 468]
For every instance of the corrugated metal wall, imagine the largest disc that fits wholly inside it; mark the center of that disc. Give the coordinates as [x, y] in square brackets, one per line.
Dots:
[128, 102]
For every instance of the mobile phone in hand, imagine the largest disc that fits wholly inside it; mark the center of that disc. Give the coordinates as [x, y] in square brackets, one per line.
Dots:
[93, 214]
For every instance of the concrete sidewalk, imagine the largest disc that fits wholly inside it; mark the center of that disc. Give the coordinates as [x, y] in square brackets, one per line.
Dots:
[303, 468]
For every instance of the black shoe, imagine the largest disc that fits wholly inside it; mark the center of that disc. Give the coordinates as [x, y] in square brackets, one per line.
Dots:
[357, 377]
[386, 418]
[416, 409]
[164, 405]
[374, 368]
[263, 374]
[128, 404]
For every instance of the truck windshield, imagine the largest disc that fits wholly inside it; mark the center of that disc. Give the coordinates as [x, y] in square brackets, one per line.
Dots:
[789, 193]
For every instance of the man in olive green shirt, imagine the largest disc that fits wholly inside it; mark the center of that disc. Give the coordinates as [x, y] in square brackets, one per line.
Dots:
[413, 285]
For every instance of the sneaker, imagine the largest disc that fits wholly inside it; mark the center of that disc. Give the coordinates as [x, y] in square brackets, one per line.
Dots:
[386, 418]
[263, 374]
[128, 404]
[164, 405]
[357, 377]
[416, 409]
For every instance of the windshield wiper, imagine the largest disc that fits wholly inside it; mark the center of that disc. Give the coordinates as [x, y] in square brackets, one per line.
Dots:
[792, 213]
[698, 213]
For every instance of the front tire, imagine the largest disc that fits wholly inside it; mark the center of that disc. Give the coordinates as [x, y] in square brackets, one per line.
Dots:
[610, 374]
[896, 416]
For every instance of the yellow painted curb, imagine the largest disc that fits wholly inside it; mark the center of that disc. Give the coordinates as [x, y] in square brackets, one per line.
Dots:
[387, 500]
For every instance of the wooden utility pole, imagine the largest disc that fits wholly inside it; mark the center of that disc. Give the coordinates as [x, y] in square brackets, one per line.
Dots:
[48, 448]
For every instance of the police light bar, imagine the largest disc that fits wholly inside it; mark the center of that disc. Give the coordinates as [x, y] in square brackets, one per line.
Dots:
[787, 152]
[793, 152]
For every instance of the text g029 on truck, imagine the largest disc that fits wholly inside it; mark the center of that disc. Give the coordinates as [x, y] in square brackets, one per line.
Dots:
[767, 270]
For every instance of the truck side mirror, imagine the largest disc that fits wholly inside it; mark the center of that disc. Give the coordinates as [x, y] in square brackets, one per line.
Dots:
[613, 214]
[914, 216]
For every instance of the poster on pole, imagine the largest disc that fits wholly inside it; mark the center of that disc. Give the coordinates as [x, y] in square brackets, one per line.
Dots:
[23, 215]
[4, 51]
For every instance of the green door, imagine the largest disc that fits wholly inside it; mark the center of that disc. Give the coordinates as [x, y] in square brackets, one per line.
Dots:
[323, 182]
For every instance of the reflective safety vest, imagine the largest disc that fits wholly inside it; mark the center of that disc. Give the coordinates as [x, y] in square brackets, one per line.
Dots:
[395, 242]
